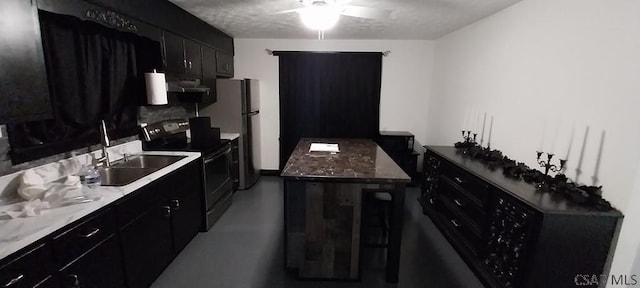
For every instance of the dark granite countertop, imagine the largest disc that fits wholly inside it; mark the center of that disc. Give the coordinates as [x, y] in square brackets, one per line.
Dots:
[359, 160]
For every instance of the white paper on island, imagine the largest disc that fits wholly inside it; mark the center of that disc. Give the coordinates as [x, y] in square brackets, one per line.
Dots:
[324, 147]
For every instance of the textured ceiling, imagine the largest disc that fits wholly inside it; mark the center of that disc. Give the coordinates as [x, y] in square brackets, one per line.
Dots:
[409, 19]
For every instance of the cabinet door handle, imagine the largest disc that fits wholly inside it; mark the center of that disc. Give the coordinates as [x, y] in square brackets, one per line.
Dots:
[184, 63]
[176, 204]
[455, 223]
[458, 202]
[167, 211]
[458, 180]
[190, 65]
[94, 231]
[75, 279]
[14, 281]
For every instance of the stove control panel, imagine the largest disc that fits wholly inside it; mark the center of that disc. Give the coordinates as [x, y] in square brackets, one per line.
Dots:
[164, 128]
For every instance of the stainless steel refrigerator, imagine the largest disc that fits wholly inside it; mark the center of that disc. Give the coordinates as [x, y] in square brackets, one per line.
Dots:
[237, 111]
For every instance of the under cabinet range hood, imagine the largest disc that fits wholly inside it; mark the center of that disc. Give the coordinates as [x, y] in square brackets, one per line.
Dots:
[187, 86]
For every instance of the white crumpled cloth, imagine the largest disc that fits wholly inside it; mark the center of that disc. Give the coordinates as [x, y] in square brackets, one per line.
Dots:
[41, 195]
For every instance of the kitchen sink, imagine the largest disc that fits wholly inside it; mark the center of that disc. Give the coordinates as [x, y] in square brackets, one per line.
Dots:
[120, 176]
[136, 167]
[149, 161]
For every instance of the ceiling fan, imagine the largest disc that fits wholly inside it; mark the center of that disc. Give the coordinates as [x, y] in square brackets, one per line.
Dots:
[322, 15]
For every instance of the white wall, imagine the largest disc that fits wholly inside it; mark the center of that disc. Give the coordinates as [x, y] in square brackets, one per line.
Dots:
[406, 82]
[540, 59]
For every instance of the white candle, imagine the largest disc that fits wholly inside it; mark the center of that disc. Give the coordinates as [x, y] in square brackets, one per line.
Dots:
[465, 119]
[478, 122]
[552, 147]
[570, 143]
[490, 131]
[542, 136]
[472, 123]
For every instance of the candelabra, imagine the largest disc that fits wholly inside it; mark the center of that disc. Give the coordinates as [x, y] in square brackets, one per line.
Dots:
[547, 164]
[466, 135]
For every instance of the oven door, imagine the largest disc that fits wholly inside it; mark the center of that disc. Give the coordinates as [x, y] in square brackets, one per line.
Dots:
[217, 176]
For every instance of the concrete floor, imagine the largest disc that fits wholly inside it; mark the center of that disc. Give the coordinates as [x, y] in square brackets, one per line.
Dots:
[244, 249]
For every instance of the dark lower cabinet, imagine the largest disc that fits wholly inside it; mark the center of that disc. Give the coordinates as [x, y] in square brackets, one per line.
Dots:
[186, 206]
[127, 244]
[169, 215]
[100, 267]
[147, 244]
[24, 90]
[29, 268]
[509, 233]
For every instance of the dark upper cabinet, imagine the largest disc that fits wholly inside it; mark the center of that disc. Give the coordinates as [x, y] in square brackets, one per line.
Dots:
[224, 64]
[193, 56]
[170, 17]
[182, 56]
[173, 58]
[24, 91]
[209, 75]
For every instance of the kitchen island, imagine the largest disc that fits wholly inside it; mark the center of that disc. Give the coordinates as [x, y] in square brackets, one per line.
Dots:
[323, 204]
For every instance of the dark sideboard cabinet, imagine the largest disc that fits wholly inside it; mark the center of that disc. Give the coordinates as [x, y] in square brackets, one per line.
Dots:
[510, 234]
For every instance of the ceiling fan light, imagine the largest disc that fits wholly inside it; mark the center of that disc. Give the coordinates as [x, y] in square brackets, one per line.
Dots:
[319, 17]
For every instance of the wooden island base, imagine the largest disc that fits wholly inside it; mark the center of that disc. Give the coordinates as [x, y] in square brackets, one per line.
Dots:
[323, 235]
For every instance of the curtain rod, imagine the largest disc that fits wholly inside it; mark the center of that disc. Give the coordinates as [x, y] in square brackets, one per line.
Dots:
[271, 52]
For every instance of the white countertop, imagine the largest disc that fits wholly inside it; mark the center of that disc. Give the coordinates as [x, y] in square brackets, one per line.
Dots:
[229, 136]
[18, 233]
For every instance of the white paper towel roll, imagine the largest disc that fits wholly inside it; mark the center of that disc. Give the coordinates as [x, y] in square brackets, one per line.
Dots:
[156, 88]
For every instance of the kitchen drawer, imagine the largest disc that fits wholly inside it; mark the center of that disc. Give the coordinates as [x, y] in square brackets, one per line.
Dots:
[470, 184]
[100, 267]
[49, 282]
[467, 204]
[212, 197]
[74, 242]
[459, 224]
[29, 269]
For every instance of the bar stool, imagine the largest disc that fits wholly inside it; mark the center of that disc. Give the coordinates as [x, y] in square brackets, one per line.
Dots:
[377, 214]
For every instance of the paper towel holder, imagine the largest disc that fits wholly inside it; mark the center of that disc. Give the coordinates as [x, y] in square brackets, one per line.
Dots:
[156, 88]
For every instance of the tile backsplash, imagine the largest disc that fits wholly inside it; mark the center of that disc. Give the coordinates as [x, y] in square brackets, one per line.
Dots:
[146, 114]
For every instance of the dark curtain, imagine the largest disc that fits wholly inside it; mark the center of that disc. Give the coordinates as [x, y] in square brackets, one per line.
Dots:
[94, 73]
[333, 95]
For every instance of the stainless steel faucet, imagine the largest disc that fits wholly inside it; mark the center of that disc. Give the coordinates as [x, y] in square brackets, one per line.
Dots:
[104, 140]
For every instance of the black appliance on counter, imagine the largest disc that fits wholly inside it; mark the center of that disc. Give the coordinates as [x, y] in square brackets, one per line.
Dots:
[170, 135]
[399, 146]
